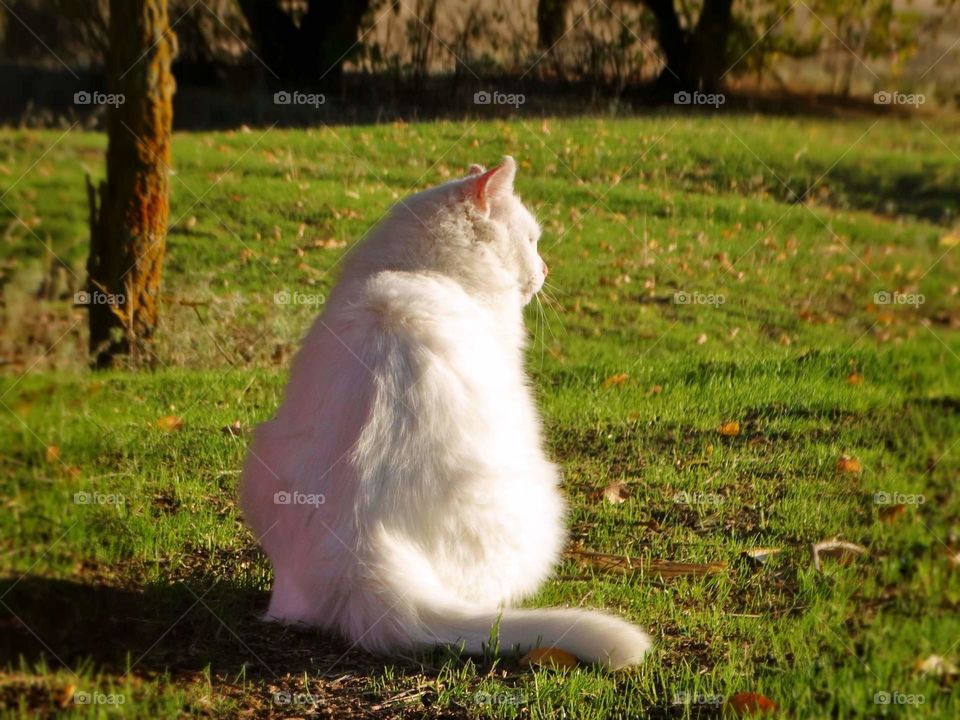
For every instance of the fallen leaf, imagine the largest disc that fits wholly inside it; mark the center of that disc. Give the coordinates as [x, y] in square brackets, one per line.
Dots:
[850, 465]
[747, 703]
[234, 429]
[655, 390]
[65, 696]
[53, 453]
[891, 513]
[951, 239]
[730, 429]
[616, 493]
[626, 565]
[838, 550]
[169, 423]
[614, 380]
[329, 244]
[854, 379]
[760, 555]
[936, 666]
[701, 338]
[954, 557]
[554, 657]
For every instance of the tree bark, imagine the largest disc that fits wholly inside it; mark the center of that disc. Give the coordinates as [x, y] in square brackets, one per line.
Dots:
[129, 211]
[551, 22]
[695, 59]
[313, 52]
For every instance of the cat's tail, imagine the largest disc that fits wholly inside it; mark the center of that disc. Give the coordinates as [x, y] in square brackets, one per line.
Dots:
[590, 635]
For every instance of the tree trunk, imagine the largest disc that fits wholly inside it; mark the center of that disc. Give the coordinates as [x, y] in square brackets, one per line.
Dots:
[128, 217]
[695, 59]
[551, 22]
[313, 52]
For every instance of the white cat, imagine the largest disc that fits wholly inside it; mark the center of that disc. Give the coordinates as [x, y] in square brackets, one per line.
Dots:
[402, 492]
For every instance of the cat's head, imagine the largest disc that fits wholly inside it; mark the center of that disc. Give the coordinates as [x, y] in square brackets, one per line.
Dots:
[505, 229]
[473, 229]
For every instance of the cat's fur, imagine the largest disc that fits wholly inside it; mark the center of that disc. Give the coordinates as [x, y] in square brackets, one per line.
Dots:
[408, 411]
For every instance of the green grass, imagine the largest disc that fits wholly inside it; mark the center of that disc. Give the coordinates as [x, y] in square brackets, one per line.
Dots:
[155, 598]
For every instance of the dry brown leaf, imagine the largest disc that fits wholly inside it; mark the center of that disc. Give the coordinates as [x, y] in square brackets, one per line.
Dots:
[550, 657]
[329, 244]
[951, 239]
[616, 493]
[848, 464]
[625, 565]
[936, 666]
[730, 429]
[53, 453]
[701, 338]
[854, 378]
[614, 380]
[234, 429]
[761, 554]
[65, 696]
[892, 513]
[839, 550]
[655, 390]
[953, 555]
[169, 423]
[748, 703]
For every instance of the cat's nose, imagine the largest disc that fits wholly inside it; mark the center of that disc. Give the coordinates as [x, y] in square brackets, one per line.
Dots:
[545, 268]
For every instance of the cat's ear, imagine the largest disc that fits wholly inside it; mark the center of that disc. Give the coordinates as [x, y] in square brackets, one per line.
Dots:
[476, 169]
[495, 183]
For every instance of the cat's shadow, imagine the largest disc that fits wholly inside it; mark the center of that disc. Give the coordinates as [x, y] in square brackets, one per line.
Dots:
[183, 627]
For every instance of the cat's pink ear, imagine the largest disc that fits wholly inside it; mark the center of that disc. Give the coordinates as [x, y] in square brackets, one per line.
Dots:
[495, 183]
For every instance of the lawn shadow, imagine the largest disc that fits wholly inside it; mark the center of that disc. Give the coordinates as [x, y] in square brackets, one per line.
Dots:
[181, 628]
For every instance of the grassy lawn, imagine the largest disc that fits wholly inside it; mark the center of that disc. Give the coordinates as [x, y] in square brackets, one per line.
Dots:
[719, 338]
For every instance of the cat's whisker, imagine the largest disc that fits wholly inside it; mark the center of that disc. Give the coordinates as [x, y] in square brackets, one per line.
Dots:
[546, 323]
[555, 307]
[543, 333]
